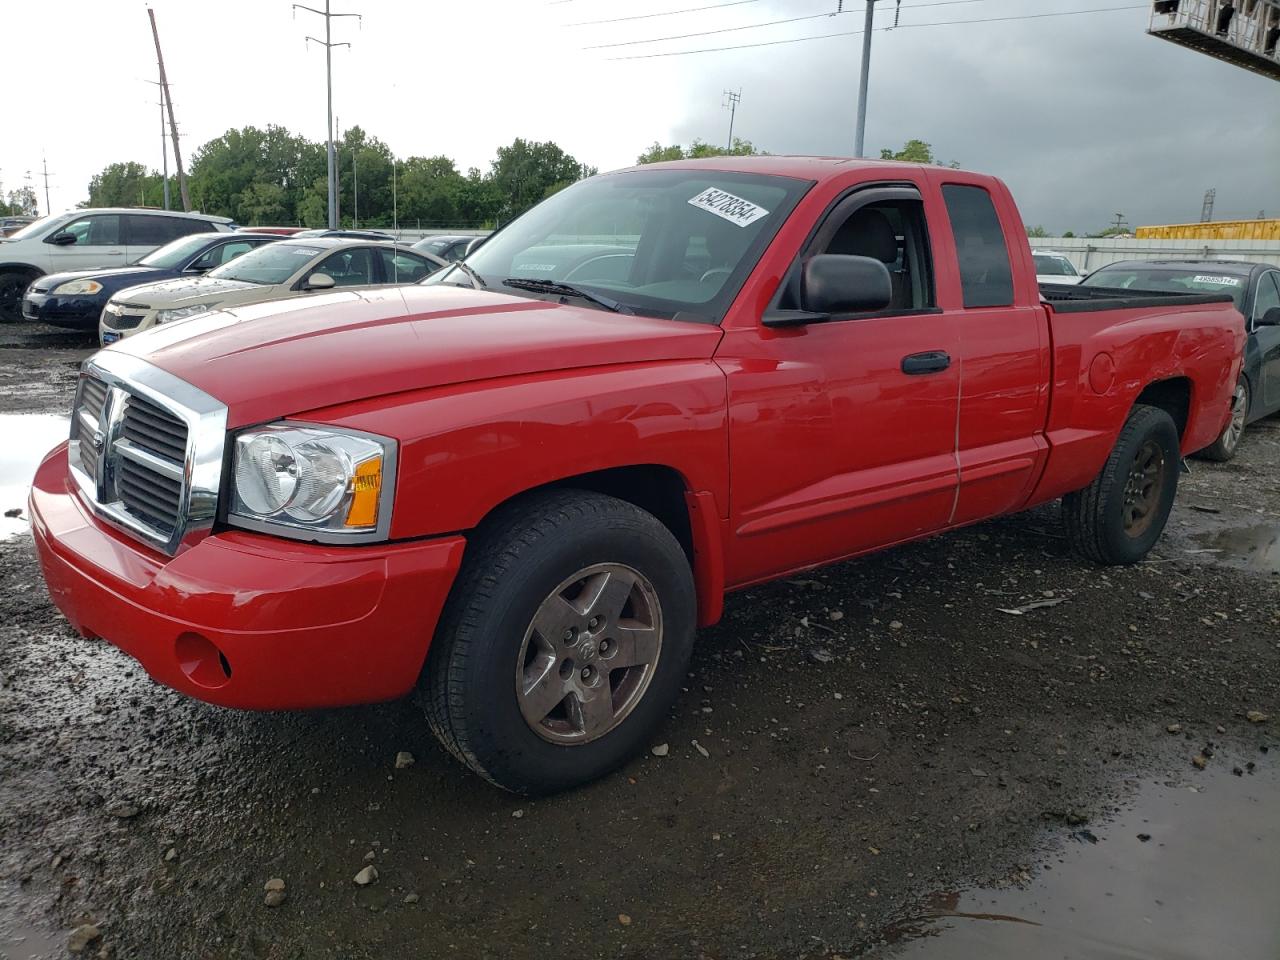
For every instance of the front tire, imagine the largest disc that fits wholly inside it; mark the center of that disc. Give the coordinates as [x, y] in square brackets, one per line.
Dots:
[1118, 518]
[1225, 447]
[564, 642]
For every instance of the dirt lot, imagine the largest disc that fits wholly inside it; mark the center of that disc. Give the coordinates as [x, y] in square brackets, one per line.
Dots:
[874, 735]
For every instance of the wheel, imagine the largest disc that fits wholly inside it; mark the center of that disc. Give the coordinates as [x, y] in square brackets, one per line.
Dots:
[1225, 447]
[13, 284]
[1119, 517]
[564, 642]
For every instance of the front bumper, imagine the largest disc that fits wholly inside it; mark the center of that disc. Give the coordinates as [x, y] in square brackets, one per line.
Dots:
[77, 313]
[242, 619]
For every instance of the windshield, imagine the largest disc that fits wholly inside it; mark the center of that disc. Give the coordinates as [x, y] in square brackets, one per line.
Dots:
[175, 253]
[1193, 279]
[274, 263]
[667, 243]
[1049, 266]
[34, 229]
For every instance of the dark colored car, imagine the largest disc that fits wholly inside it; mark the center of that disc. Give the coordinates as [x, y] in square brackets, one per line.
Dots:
[1255, 290]
[10, 225]
[76, 299]
[448, 247]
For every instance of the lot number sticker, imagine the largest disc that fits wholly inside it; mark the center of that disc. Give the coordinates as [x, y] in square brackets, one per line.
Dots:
[1219, 281]
[728, 207]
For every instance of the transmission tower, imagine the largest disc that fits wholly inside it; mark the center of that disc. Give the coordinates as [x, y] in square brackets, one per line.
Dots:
[1206, 210]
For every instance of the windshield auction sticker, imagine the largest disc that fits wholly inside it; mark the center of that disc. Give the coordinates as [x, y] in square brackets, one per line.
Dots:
[728, 207]
[1218, 281]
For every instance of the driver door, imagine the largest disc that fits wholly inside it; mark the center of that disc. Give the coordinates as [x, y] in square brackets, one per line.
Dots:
[96, 243]
[842, 434]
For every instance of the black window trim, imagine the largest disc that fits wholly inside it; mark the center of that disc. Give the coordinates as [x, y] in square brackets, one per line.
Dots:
[839, 210]
[1254, 316]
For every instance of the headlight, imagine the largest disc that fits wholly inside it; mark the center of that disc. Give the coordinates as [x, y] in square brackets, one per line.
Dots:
[333, 484]
[78, 286]
[177, 313]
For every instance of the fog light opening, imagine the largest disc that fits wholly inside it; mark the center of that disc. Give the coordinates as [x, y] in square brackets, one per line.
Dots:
[201, 661]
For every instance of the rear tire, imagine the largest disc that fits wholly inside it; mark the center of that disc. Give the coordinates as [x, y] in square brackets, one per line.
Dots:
[1118, 518]
[564, 643]
[13, 284]
[1228, 443]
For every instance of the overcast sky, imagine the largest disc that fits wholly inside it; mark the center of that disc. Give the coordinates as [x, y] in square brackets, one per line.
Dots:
[1084, 116]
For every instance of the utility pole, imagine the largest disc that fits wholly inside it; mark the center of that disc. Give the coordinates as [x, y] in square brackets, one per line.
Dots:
[860, 138]
[731, 101]
[328, 45]
[355, 192]
[1120, 224]
[164, 152]
[48, 207]
[173, 124]
[395, 209]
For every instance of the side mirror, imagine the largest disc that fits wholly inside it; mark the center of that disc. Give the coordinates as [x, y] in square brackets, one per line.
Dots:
[63, 239]
[1271, 318]
[834, 283]
[319, 281]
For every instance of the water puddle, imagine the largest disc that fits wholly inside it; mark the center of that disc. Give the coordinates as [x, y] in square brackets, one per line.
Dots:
[1189, 872]
[24, 440]
[1251, 548]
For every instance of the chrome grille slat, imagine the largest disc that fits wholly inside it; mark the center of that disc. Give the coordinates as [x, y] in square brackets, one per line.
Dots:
[146, 450]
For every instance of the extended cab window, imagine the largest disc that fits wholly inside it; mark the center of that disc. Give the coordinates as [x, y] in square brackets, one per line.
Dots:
[985, 275]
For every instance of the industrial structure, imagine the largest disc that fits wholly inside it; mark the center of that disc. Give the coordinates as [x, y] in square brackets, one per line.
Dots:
[1214, 230]
[1241, 32]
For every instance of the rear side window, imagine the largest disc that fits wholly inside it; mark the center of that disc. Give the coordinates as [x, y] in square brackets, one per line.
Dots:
[985, 276]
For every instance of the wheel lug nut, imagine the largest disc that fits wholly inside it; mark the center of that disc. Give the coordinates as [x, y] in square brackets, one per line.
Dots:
[593, 623]
[569, 635]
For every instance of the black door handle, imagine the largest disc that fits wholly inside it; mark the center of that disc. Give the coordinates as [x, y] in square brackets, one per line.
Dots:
[934, 361]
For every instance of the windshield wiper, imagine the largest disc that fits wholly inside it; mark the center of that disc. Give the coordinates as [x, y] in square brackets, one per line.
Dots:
[567, 290]
[477, 281]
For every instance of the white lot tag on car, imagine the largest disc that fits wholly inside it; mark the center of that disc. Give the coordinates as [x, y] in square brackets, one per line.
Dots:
[1220, 281]
[728, 207]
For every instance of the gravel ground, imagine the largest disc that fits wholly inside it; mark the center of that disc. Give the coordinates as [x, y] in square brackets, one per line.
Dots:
[866, 736]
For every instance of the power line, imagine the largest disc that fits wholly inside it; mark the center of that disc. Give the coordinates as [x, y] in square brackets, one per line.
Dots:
[857, 33]
[665, 13]
[756, 26]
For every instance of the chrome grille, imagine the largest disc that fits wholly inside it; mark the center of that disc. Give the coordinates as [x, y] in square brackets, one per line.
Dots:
[146, 449]
[122, 321]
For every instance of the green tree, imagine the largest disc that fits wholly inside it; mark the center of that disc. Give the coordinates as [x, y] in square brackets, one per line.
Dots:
[263, 204]
[914, 151]
[126, 185]
[657, 153]
[1036, 232]
[527, 171]
[1069, 234]
[22, 202]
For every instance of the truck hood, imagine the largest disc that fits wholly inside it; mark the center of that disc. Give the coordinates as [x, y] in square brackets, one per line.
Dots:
[166, 294]
[270, 360]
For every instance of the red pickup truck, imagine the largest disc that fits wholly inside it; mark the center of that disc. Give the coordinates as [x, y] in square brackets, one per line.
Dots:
[519, 488]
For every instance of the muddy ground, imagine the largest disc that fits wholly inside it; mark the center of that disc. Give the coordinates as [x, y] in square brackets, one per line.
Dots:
[878, 734]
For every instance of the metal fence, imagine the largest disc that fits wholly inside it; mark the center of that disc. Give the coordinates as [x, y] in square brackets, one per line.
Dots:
[1089, 253]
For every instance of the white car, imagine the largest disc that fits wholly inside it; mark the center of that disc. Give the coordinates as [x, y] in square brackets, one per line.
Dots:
[89, 240]
[287, 268]
[1055, 268]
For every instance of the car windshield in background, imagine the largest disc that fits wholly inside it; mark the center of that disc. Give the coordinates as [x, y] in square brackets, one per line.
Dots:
[274, 263]
[1198, 279]
[667, 243]
[175, 253]
[1054, 266]
[31, 229]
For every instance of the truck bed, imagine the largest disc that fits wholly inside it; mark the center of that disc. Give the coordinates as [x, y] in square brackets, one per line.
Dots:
[1077, 299]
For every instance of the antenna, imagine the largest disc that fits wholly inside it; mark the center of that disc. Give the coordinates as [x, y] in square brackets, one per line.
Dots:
[730, 102]
[173, 123]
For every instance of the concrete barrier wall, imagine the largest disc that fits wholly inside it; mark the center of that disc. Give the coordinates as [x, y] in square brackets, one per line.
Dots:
[1089, 253]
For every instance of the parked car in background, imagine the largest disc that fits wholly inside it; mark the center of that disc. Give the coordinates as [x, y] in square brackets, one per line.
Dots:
[448, 248]
[278, 231]
[75, 300]
[345, 234]
[521, 494]
[11, 225]
[1255, 291]
[285, 268]
[1055, 268]
[88, 240]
